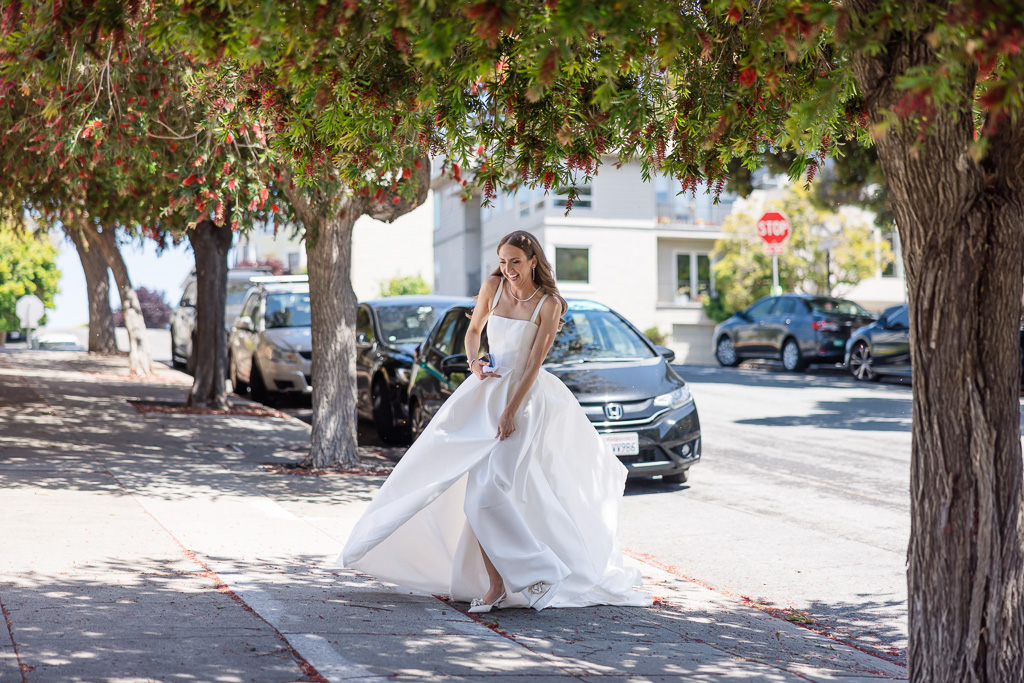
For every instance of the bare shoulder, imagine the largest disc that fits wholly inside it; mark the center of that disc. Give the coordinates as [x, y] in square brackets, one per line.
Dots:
[551, 310]
[490, 285]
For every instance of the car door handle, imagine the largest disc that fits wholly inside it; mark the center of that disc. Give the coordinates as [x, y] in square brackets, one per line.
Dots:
[760, 322]
[788, 321]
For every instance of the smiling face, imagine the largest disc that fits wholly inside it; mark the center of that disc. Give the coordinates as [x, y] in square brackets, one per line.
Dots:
[514, 265]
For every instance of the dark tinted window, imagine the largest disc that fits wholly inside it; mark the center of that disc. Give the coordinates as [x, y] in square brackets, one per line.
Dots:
[900, 319]
[785, 306]
[445, 333]
[404, 324]
[836, 306]
[596, 335]
[761, 308]
[287, 310]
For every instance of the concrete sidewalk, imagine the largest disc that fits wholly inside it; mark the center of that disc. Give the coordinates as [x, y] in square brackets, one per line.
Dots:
[153, 547]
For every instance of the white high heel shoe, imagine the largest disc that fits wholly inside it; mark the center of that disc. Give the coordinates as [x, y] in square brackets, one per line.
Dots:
[541, 594]
[478, 606]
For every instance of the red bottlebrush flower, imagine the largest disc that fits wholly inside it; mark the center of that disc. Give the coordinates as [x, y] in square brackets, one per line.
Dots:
[812, 169]
[418, 164]
[748, 77]
[11, 14]
[456, 170]
[189, 180]
[480, 150]
[734, 15]
[548, 179]
[226, 169]
[406, 172]
[174, 146]
[396, 199]
[232, 184]
[264, 193]
[117, 161]
[230, 138]
[274, 208]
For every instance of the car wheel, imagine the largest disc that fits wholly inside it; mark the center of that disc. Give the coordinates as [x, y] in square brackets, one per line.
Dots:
[417, 420]
[383, 414]
[237, 385]
[791, 359]
[677, 478]
[862, 365]
[257, 387]
[725, 352]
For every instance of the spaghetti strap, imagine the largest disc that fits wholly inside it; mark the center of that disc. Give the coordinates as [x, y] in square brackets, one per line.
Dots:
[497, 294]
[533, 318]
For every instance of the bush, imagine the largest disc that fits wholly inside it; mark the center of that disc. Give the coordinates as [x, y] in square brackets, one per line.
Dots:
[656, 336]
[155, 310]
[414, 284]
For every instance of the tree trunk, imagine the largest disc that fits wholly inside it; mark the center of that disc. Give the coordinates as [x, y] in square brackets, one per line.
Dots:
[960, 222]
[328, 215]
[140, 362]
[210, 244]
[97, 283]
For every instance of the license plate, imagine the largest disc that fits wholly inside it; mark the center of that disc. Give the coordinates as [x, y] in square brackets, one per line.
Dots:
[625, 443]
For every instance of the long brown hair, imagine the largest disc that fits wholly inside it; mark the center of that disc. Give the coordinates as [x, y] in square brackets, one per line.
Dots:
[543, 277]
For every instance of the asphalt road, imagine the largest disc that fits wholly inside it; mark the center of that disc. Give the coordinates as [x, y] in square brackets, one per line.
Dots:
[800, 503]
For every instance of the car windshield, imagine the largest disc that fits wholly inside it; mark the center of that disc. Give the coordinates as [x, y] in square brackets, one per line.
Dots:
[236, 292]
[596, 335]
[287, 310]
[407, 324]
[836, 307]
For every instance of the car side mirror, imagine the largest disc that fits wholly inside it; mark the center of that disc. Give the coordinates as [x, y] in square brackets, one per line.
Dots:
[668, 354]
[244, 323]
[456, 363]
[741, 315]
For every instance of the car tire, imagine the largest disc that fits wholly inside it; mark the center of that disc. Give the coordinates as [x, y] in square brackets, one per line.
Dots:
[725, 352]
[677, 478]
[257, 387]
[862, 365]
[237, 386]
[383, 412]
[791, 358]
[417, 420]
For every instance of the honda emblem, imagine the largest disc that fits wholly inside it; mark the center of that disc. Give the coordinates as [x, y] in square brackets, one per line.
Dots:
[613, 411]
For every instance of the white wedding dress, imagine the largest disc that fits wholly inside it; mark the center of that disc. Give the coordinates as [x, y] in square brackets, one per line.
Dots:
[543, 503]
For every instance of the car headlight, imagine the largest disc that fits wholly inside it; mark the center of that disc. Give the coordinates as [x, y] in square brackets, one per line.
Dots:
[276, 354]
[673, 399]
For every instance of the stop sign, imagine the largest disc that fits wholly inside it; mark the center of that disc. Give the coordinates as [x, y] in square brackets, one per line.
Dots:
[773, 228]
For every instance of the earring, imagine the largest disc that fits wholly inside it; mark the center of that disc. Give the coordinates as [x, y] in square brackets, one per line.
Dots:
[533, 276]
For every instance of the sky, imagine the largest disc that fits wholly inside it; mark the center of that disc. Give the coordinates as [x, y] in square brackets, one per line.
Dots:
[161, 272]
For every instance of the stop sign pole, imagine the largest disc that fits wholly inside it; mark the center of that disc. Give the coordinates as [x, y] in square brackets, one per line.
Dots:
[773, 228]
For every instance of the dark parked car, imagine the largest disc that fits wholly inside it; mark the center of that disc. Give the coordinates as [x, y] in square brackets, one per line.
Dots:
[881, 348]
[387, 332]
[797, 329]
[624, 383]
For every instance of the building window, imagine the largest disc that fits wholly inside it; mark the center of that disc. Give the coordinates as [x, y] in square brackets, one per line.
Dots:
[538, 195]
[572, 264]
[437, 212]
[523, 194]
[693, 277]
[584, 197]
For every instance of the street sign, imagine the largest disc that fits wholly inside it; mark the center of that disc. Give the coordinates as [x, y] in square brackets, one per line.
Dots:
[771, 249]
[773, 228]
[29, 309]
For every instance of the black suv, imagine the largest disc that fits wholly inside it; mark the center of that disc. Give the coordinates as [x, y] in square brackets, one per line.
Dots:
[387, 332]
[797, 329]
[624, 384]
[881, 348]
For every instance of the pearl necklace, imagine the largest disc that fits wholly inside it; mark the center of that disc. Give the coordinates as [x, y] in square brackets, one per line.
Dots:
[522, 300]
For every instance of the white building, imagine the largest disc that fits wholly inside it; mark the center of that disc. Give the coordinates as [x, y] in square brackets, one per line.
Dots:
[380, 251]
[635, 246]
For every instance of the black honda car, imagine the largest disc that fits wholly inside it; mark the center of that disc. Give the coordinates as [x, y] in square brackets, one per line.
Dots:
[624, 383]
[387, 332]
[797, 329]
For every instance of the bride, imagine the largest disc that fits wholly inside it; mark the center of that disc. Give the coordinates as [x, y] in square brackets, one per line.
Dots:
[509, 498]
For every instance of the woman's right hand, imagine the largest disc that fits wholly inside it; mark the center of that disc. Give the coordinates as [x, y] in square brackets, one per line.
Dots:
[476, 367]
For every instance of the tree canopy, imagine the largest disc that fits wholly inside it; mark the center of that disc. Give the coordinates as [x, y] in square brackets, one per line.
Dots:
[27, 266]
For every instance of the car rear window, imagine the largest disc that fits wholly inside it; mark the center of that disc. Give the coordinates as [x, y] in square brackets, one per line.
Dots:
[287, 310]
[836, 307]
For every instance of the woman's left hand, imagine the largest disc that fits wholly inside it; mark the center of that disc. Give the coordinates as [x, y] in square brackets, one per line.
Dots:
[506, 424]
